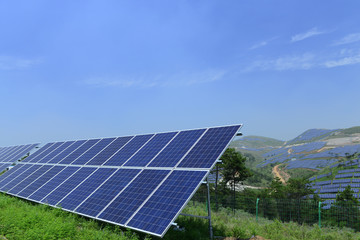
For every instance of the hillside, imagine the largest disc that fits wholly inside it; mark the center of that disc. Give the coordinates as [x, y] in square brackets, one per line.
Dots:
[323, 155]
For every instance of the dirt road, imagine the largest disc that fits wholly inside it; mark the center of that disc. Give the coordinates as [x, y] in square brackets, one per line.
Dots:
[278, 173]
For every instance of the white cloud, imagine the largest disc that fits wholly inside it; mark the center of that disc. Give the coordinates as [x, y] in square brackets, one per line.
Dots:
[351, 38]
[296, 62]
[262, 43]
[16, 63]
[302, 36]
[351, 60]
[175, 80]
[307, 61]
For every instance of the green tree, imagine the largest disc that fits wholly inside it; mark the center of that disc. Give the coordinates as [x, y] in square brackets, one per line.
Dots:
[346, 196]
[234, 169]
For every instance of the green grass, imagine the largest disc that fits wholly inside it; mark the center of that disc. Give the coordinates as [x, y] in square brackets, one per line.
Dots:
[20, 219]
[243, 225]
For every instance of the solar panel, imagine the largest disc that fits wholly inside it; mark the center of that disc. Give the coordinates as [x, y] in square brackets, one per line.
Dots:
[142, 182]
[9, 155]
[166, 201]
[102, 196]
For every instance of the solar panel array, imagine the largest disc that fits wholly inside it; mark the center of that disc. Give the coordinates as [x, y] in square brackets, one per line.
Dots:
[140, 182]
[9, 155]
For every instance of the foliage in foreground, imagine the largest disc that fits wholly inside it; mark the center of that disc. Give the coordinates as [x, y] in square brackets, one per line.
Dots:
[23, 220]
[243, 225]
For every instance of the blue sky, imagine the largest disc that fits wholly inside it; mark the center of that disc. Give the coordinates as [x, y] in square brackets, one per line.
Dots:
[89, 69]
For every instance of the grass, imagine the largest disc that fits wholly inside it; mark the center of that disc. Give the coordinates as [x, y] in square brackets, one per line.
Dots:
[20, 219]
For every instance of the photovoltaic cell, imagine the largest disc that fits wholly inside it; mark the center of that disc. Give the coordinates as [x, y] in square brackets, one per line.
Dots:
[149, 151]
[128, 150]
[14, 171]
[123, 206]
[177, 148]
[27, 181]
[82, 149]
[51, 155]
[109, 151]
[106, 192]
[89, 154]
[52, 148]
[14, 181]
[67, 151]
[209, 148]
[24, 151]
[26, 192]
[34, 156]
[71, 201]
[65, 187]
[52, 183]
[159, 211]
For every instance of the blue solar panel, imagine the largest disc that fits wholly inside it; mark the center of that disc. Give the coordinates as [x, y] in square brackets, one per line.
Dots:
[71, 201]
[9, 154]
[26, 192]
[209, 148]
[14, 181]
[34, 155]
[52, 148]
[51, 155]
[149, 151]
[106, 192]
[67, 151]
[14, 171]
[3, 166]
[163, 206]
[122, 180]
[128, 150]
[66, 186]
[21, 153]
[12, 154]
[28, 180]
[80, 150]
[92, 152]
[109, 151]
[52, 183]
[124, 205]
[177, 148]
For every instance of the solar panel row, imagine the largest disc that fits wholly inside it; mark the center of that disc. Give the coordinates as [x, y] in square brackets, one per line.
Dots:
[9, 155]
[141, 182]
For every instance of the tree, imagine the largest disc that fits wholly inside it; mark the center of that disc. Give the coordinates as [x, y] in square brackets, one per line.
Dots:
[234, 169]
[347, 196]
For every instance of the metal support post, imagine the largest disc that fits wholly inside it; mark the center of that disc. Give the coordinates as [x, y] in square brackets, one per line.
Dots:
[319, 214]
[209, 210]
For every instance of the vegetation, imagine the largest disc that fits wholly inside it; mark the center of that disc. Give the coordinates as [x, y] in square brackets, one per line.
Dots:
[233, 169]
[20, 219]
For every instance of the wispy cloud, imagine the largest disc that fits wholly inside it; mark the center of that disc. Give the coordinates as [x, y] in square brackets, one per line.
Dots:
[16, 63]
[296, 62]
[343, 58]
[262, 43]
[302, 36]
[351, 38]
[307, 61]
[183, 79]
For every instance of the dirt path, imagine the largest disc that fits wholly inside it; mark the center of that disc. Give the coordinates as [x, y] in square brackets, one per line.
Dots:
[278, 173]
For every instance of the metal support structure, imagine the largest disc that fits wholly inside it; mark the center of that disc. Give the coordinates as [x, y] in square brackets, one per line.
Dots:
[208, 217]
[209, 210]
